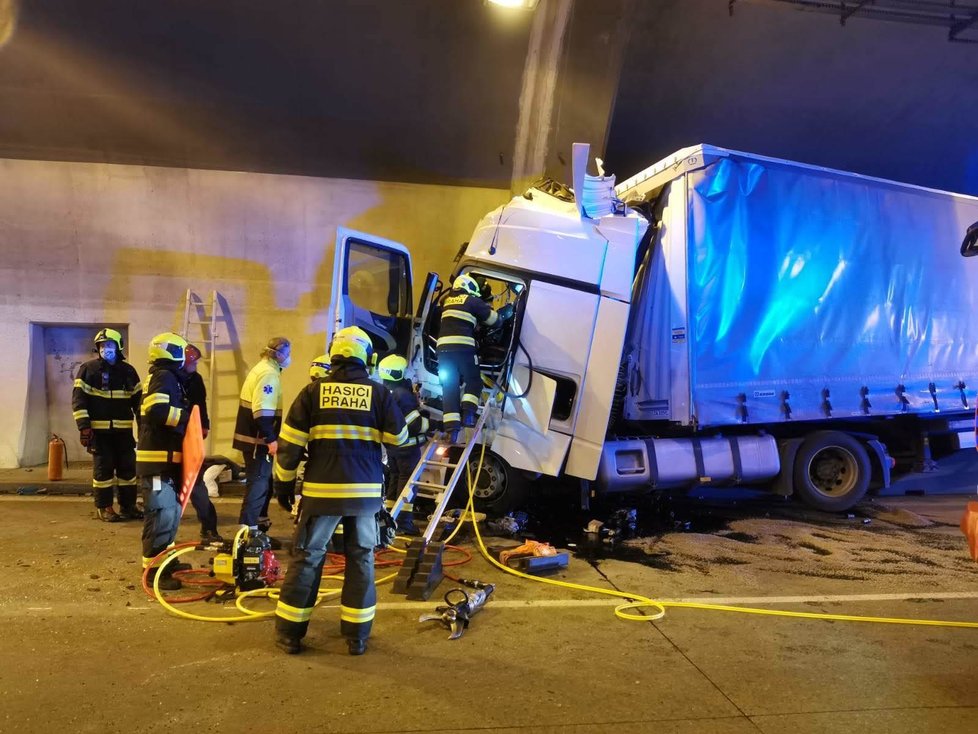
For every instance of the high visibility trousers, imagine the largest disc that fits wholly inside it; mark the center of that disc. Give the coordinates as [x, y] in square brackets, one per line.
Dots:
[114, 465]
[161, 515]
[458, 372]
[401, 461]
[358, 600]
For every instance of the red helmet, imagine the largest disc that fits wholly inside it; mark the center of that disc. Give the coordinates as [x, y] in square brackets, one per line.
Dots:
[192, 354]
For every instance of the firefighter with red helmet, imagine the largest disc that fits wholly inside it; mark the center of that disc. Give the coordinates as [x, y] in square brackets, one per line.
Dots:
[340, 420]
[105, 400]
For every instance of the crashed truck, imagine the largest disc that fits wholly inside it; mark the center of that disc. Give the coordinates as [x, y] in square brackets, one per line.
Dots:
[720, 319]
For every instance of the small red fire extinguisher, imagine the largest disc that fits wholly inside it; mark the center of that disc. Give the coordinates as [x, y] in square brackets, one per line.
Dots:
[57, 458]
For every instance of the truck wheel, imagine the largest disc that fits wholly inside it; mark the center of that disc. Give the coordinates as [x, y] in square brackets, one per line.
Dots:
[832, 471]
[499, 489]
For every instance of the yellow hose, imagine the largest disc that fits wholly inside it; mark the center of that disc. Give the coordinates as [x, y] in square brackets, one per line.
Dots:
[638, 601]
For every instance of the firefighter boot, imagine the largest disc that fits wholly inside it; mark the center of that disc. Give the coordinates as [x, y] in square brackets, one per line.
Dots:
[131, 513]
[288, 644]
[107, 514]
[468, 417]
[210, 536]
[167, 582]
[356, 646]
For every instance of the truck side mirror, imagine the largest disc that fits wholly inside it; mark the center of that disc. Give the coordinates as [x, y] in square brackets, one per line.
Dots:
[969, 245]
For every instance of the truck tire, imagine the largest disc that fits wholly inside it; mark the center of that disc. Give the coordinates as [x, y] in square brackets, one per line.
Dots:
[499, 488]
[832, 471]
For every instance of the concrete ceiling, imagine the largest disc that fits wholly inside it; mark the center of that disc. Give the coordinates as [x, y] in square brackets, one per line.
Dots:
[454, 91]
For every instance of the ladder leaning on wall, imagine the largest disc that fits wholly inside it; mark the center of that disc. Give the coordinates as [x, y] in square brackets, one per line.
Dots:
[198, 313]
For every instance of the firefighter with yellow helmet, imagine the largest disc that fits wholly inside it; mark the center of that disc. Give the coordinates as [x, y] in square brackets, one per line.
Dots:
[404, 458]
[341, 421]
[105, 403]
[458, 359]
[159, 459]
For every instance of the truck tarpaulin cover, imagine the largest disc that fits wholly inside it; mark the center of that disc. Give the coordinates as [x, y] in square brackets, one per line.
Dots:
[833, 288]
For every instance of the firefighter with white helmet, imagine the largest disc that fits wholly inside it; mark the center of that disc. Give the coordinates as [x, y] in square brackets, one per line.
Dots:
[105, 401]
[340, 421]
[159, 454]
[458, 359]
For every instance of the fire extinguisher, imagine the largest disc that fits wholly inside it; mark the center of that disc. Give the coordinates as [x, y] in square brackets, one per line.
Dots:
[57, 456]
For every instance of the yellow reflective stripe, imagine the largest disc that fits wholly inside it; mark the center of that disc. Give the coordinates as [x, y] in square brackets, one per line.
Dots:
[412, 416]
[158, 456]
[173, 417]
[451, 313]
[283, 475]
[322, 490]
[406, 507]
[293, 614]
[103, 483]
[100, 425]
[452, 417]
[396, 440]
[89, 390]
[146, 562]
[79, 414]
[470, 398]
[265, 413]
[156, 397]
[425, 425]
[293, 435]
[337, 431]
[357, 616]
[249, 439]
[467, 341]
[125, 482]
[491, 319]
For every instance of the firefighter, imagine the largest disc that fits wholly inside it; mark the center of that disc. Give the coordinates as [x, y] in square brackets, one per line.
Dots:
[458, 360]
[404, 458]
[341, 421]
[319, 367]
[193, 385]
[256, 430]
[105, 401]
[165, 412]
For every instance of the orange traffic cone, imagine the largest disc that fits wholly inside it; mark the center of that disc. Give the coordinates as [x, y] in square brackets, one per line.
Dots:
[969, 526]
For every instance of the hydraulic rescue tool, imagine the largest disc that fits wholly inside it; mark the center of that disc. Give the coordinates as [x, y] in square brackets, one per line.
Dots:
[247, 562]
[460, 606]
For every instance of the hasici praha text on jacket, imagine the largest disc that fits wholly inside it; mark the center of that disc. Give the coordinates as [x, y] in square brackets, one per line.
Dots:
[343, 419]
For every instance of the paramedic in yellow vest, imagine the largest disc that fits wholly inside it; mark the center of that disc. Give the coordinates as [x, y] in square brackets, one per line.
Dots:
[257, 427]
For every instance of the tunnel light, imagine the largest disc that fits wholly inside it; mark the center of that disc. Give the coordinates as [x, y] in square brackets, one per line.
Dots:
[517, 4]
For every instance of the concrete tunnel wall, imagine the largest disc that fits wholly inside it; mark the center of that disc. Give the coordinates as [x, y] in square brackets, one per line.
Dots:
[92, 243]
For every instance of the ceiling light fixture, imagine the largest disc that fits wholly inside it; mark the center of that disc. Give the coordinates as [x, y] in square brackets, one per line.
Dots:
[515, 4]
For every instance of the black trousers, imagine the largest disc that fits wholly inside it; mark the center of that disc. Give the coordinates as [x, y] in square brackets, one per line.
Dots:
[161, 515]
[206, 512]
[358, 600]
[401, 461]
[114, 465]
[458, 372]
[258, 487]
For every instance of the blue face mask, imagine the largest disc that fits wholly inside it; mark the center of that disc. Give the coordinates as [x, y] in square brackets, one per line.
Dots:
[107, 351]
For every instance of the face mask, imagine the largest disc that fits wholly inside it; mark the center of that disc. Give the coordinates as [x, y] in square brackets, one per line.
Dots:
[286, 362]
[107, 352]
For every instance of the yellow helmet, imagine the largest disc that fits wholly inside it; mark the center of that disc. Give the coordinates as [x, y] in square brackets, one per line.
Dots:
[169, 346]
[109, 335]
[319, 367]
[352, 343]
[467, 283]
[392, 368]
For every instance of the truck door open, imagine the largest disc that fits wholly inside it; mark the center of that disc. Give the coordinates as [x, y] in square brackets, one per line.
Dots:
[372, 290]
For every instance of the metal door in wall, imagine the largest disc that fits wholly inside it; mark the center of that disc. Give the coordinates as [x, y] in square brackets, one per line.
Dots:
[65, 349]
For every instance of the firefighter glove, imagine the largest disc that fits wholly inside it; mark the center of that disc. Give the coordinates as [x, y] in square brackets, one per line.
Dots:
[285, 494]
[85, 436]
[506, 312]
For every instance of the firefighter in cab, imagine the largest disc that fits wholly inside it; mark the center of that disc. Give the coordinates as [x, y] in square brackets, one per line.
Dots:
[341, 421]
[105, 401]
[458, 359]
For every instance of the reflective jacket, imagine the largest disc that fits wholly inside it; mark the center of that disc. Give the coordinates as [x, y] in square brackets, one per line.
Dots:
[459, 316]
[259, 407]
[407, 402]
[106, 396]
[165, 412]
[341, 420]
